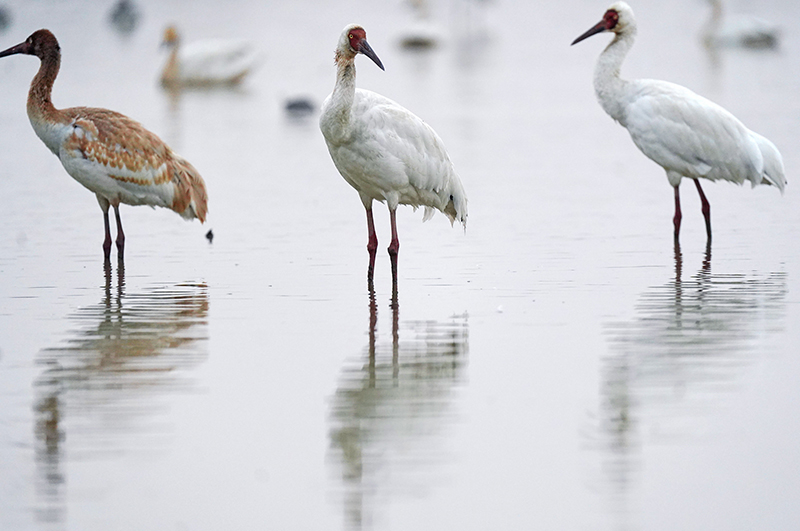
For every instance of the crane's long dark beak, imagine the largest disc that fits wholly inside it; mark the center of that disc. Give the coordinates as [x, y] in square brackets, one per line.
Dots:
[597, 28]
[366, 49]
[24, 47]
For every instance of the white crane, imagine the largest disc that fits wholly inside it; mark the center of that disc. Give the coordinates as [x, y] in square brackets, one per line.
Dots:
[384, 151]
[686, 134]
[738, 30]
[423, 32]
[107, 152]
[205, 63]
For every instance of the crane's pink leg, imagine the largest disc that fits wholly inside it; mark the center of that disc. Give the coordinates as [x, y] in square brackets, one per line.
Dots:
[676, 220]
[706, 208]
[104, 204]
[372, 244]
[394, 245]
[120, 235]
[107, 241]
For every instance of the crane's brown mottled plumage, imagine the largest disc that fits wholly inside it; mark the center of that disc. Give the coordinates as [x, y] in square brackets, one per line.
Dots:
[110, 154]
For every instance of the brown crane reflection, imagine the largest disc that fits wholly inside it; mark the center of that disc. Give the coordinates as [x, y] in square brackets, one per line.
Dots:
[391, 410]
[674, 363]
[101, 391]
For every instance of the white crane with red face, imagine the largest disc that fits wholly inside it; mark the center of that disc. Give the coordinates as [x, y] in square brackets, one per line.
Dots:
[384, 151]
[686, 134]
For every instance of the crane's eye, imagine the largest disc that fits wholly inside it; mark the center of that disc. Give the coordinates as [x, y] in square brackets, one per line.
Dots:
[611, 18]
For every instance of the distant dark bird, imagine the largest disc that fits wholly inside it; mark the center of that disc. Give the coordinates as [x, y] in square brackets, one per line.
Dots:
[124, 16]
[299, 106]
[5, 18]
[210, 236]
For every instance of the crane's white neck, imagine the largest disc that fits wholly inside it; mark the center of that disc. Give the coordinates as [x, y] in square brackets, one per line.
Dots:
[608, 85]
[341, 102]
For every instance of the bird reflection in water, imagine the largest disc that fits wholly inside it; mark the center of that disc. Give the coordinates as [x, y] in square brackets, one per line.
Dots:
[390, 413]
[101, 392]
[672, 365]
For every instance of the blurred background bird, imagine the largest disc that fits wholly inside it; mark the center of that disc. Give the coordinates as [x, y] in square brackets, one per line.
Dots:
[207, 62]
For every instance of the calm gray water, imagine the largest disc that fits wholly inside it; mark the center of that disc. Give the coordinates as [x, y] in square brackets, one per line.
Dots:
[561, 365]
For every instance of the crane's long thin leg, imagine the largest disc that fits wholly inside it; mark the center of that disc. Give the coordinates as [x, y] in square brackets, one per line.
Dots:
[104, 204]
[394, 245]
[120, 235]
[706, 208]
[107, 240]
[676, 220]
[372, 245]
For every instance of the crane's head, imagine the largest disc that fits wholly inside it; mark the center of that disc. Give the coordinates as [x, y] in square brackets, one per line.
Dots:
[618, 19]
[170, 37]
[40, 43]
[354, 41]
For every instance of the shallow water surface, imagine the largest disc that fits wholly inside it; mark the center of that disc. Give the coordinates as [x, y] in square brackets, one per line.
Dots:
[562, 364]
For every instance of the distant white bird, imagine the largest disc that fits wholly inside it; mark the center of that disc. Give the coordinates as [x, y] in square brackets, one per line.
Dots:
[686, 134]
[738, 30]
[206, 63]
[384, 151]
[107, 152]
[422, 33]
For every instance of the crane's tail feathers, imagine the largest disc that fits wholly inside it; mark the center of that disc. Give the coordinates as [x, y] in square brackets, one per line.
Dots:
[456, 208]
[773, 173]
[450, 201]
[190, 199]
[459, 201]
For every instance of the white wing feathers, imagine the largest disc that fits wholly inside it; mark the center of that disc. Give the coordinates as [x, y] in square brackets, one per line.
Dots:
[216, 59]
[694, 137]
[774, 172]
[393, 155]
